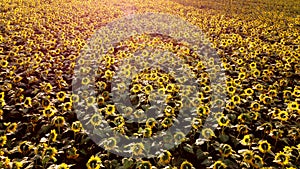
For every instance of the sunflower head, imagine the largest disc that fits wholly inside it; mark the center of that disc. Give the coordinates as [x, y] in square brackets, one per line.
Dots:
[3, 140]
[110, 143]
[53, 135]
[247, 140]
[208, 133]
[257, 161]
[50, 152]
[219, 165]
[264, 146]
[63, 166]
[58, 121]
[144, 165]
[186, 165]
[225, 150]
[165, 158]
[94, 162]
[282, 158]
[223, 121]
[76, 126]
[137, 148]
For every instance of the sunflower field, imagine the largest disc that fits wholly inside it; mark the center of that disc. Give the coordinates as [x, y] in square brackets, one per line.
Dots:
[49, 118]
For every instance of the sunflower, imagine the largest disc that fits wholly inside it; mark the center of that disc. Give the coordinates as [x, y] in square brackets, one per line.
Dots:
[242, 75]
[223, 121]
[246, 141]
[3, 140]
[225, 150]
[63, 166]
[110, 109]
[58, 121]
[151, 122]
[49, 112]
[231, 90]
[202, 110]
[255, 106]
[17, 165]
[72, 153]
[170, 88]
[136, 88]
[144, 165]
[249, 92]
[253, 115]
[3, 63]
[90, 101]
[85, 81]
[147, 132]
[61, 96]
[110, 143]
[24, 147]
[27, 102]
[53, 135]
[267, 100]
[293, 106]
[5, 161]
[257, 161]
[119, 121]
[148, 88]
[167, 122]
[186, 165]
[100, 100]
[236, 99]
[247, 155]
[196, 123]
[243, 117]
[281, 158]
[94, 162]
[255, 73]
[242, 128]
[17, 79]
[169, 111]
[276, 133]
[179, 137]
[283, 115]
[46, 103]
[96, 119]
[108, 74]
[2, 95]
[76, 126]
[137, 148]
[264, 146]
[208, 133]
[67, 106]
[74, 98]
[47, 87]
[230, 105]
[12, 127]
[164, 158]
[219, 165]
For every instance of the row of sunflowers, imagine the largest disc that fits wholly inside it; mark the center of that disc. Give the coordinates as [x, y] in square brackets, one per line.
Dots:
[40, 48]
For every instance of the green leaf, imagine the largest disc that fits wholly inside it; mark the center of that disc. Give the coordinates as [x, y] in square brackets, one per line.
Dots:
[45, 160]
[188, 148]
[127, 163]
[200, 154]
[228, 162]
[224, 138]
